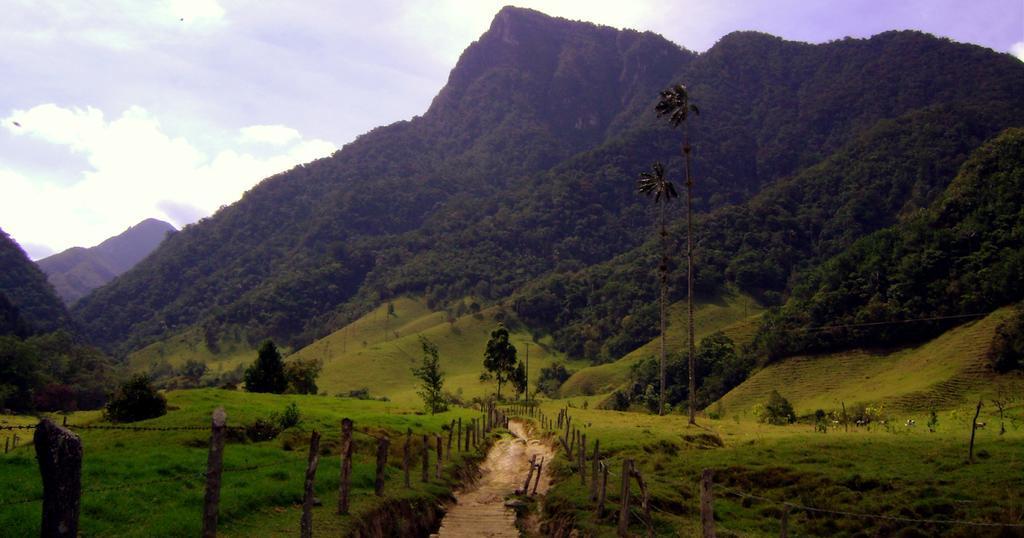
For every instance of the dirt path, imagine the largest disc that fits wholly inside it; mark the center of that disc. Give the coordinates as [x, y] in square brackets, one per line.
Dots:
[480, 510]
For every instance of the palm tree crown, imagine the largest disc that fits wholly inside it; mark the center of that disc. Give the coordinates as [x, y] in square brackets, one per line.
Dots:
[675, 103]
[654, 182]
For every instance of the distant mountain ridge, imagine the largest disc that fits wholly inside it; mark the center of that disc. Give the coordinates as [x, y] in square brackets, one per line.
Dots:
[523, 171]
[78, 270]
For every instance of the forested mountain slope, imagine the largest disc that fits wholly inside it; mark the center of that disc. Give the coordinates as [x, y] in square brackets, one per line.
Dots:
[524, 167]
[77, 271]
[25, 294]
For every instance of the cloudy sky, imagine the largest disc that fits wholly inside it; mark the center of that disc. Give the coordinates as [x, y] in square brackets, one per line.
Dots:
[115, 111]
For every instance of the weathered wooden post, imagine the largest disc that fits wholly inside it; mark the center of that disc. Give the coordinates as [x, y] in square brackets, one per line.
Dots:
[405, 455]
[594, 470]
[707, 510]
[306, 524]
[974, 428]
[604, 490]
[59, 452]
[645, 502]
[214, 468]
[426, 459]
[627, 466]
[529, 475]
[440, 458]
[7, 444]
[344, 481]
[451, 431]
[536, 482]
[784, 524]
[469, 425]
[382, 461]
[458, 440]
[583, 459]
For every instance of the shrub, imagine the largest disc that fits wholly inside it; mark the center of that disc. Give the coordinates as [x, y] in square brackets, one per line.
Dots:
[263, 429]
[134, 400]
[290, 417]
[778, 410]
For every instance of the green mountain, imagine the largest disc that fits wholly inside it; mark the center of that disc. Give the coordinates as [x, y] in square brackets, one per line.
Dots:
[961, 258]
[28, 303]
[77, 271]
[519, 181]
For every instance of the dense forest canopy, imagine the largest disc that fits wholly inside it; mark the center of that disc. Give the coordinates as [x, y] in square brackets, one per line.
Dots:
[517, 183]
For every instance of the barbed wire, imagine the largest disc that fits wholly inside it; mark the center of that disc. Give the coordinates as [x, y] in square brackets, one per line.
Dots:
[18, 427]
[862, 515]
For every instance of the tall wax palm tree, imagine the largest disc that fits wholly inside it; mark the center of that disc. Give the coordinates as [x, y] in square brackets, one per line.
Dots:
[654, 183]
[675, 103]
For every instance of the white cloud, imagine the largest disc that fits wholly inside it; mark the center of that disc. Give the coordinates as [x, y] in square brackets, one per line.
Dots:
[277, 135]
[136, 171]
[1017, 49]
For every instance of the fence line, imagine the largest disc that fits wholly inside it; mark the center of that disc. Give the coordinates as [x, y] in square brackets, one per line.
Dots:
[568, 436]
[70, 485]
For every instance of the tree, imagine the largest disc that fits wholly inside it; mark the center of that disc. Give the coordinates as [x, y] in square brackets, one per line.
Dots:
[551, 378]
[654, 183]
[301, 375]
[500, 357]
[431, 379]
[136, 399]
[267, 373]
[778, 410]
[518, 379]
[675, 103]
[193, 370]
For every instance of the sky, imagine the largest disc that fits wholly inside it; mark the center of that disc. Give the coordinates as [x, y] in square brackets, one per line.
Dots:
[116, 111]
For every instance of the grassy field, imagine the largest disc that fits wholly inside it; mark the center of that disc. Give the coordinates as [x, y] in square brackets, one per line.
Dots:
[939, 374]
[377, 352]
[190, 344]
[734, 314]
[906, 472]
[150, 483]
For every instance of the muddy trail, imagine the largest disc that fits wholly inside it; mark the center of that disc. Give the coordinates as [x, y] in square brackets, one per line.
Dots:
[480, 509]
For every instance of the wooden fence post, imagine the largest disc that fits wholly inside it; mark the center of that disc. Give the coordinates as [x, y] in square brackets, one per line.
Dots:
[594, 470]
[59, 452]
[707, 510]
[7, 444]
[784, 524]
[646, 501]
[974, 428]
[405, 455]
[214, 468]
[529, 475]
[440, 458]
[346, 465]
[583, 459]
[627, 466]
[382, 460]
[451, 431]
[306, 525]
[604, 490]
[536, 482]
[458, 440]
[425, 477]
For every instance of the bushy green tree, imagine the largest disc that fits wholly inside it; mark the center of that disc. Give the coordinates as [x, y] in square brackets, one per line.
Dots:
[302, 374]
[267, 373]
[551, 379]
[500, 357]
[431, 378]
[134, 400]
[778, 410]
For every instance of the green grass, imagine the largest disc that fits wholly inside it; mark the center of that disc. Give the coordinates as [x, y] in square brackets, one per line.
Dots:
[379, 353]
[905, 472]
[190, 344]
[733, 313]
[262, 501]
[939, 374]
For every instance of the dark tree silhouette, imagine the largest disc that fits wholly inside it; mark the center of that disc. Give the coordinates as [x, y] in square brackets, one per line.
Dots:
[675, 103]
[655, 184]
[500, 357]
[267, 373]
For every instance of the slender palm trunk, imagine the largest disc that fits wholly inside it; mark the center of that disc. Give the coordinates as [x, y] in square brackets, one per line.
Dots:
[663, 269]
[692, 363]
